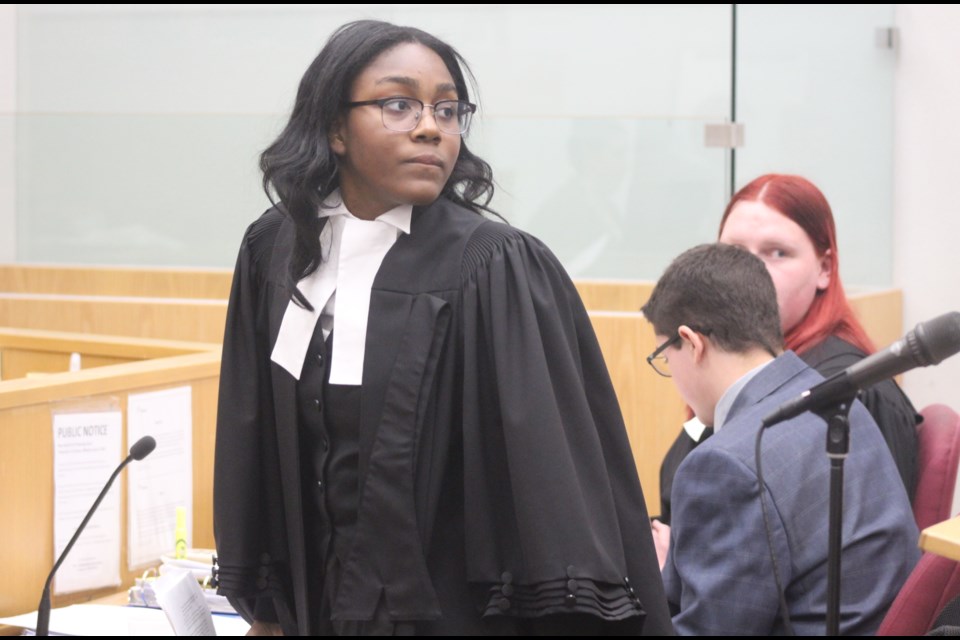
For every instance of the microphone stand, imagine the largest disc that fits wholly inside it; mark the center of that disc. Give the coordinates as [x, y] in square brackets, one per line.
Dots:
[43, 611]
[836, 416]
[838, 446]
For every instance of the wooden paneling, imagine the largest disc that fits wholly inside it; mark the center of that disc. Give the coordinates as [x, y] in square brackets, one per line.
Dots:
[881, 313]
[17, 363]
[116, 281]
[25, 351]
[101, 345]
[613, 295]
[26, 461]
[652, 408]
[168, 318]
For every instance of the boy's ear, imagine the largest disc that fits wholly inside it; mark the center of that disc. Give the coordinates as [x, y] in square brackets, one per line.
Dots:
[697, 342]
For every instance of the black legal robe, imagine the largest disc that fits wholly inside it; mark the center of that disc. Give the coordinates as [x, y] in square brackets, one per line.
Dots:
[498, 490]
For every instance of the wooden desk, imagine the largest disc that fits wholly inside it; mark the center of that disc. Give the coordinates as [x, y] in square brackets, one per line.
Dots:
[942, 539]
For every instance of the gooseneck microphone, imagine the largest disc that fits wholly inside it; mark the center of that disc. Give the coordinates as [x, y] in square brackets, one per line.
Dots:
[140, 450]
[929, 343]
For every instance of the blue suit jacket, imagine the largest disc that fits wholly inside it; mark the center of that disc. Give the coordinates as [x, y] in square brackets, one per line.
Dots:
[718, 575]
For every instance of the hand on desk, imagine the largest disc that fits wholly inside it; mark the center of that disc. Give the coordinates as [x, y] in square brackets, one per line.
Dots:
[265, 629]
[661, 540]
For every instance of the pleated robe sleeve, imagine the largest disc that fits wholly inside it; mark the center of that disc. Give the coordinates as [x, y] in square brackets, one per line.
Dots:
[246, 506]
[555, 517]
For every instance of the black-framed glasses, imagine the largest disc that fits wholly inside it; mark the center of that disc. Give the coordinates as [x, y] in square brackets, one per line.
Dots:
[659, 361]
[403, 114]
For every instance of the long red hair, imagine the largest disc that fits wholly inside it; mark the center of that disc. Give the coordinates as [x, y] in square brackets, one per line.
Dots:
[830, 314]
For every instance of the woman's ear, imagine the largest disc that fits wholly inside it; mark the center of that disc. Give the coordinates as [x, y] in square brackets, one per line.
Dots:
[335, 136]
[826, 270]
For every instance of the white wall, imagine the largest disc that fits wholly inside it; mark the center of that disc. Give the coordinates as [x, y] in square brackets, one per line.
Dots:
[8, 103]
[926, 256]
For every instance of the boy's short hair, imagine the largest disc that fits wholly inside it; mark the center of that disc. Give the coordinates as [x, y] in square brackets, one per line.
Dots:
[721, 291]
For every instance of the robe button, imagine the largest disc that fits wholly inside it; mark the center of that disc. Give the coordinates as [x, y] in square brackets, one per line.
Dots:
[320, 484]
[261, 583]
[570, 600]
[572, 585]
[506, 577]
[631, 592]
[264, 572]
[503, 604]
[320, 358]
[325, 443]
[507, 590]
[316, 403]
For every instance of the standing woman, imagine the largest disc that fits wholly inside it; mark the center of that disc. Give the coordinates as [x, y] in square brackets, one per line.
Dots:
[787, 222]
[416, 430]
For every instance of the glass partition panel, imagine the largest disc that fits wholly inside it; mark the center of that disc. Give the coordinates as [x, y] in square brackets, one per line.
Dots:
[138, 189]
[815, 92]
[139, 126]
[624, 213]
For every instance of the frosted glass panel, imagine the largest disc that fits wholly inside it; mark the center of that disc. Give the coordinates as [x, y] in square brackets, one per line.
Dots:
[138, 189]
[654, 191]
[816, 96]
[139, 126]
[654, 60]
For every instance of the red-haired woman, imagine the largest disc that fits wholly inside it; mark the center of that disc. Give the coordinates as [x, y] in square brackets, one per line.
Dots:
[786, 221]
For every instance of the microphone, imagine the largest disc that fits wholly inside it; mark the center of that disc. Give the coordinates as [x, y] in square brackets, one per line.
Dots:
[929, 343]
[140, 450]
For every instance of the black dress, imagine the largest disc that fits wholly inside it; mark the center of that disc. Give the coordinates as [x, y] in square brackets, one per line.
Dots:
[886, 402]
[497, 490]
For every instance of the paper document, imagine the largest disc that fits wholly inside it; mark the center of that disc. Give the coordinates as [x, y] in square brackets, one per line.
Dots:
[181, 598]
[164, 481]
[86, 450]
[109, 620]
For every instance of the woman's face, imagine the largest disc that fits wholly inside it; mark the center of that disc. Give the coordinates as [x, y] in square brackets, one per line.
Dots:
[797, 271]
[380, 169]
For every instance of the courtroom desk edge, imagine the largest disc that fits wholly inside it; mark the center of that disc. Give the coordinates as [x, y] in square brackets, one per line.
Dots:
[942, 539]
[108, 379]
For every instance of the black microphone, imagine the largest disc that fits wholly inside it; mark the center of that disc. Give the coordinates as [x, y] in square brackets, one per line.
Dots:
[140, 450]
[929, 343]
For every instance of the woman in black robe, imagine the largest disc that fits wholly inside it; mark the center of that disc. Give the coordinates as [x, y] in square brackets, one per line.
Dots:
[416, 429]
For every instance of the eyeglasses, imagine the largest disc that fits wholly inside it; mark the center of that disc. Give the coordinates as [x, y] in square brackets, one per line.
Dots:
[403, 114]
[659, 361]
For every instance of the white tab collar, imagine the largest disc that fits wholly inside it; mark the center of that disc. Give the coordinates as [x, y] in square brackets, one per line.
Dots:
[398, 217]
